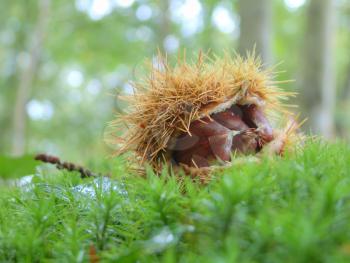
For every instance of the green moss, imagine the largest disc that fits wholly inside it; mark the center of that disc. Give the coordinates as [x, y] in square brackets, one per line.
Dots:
[292, 209]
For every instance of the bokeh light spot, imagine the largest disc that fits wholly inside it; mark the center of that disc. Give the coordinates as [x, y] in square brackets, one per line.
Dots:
[124, 3]
[171, 43]
[75, 78]
[294, 4]
[223, 20]
[143, 12]
[40, 110]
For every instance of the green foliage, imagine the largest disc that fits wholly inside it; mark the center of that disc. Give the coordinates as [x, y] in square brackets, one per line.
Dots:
[292, 209]
[11, 167]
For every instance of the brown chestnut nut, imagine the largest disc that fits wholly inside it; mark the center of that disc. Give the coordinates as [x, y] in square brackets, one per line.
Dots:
[255, 118]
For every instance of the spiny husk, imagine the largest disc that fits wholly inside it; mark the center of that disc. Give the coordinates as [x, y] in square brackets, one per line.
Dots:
[171, 97]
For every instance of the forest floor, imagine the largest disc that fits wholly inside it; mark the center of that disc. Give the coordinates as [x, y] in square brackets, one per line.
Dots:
[291, 209]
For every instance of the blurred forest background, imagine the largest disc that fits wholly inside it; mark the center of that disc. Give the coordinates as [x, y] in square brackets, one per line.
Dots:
[64, 61]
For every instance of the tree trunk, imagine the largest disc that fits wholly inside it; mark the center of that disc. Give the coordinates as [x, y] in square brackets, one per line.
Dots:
[256, 28]
[347, 85]
[26, 78]
[318, 85]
